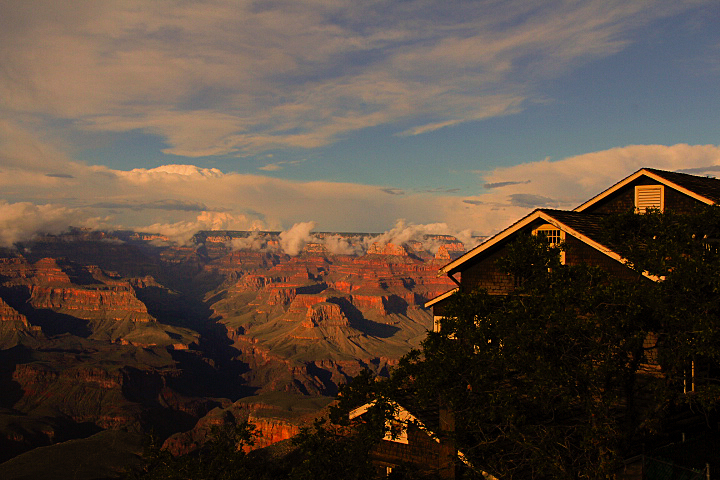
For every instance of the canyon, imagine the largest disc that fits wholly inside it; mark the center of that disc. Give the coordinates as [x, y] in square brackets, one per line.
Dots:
[124, 331]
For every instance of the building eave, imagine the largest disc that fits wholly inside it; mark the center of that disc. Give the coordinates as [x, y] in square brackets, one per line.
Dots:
[403, 415]
[635, 176]
[454, 267]
[441, 297]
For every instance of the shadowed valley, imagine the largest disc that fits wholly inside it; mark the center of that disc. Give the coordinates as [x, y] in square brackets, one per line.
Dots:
[126, 332]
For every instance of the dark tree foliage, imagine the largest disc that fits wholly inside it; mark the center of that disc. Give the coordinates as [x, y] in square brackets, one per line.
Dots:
[565, 376]
[336, 448]
[558, 380]
[683, 253]
[222, 458]
[329, 450]
[542, 381]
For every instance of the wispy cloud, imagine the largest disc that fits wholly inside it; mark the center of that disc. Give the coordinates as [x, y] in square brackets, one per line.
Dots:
[504, 184]
[272, 167]
[230, 77]
[527, 200]
[59, 175]
[177, 205]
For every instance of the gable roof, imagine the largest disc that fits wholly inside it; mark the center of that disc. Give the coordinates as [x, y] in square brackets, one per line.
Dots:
[583, 226]
[426, 419]
[703, 189]
[586, 226]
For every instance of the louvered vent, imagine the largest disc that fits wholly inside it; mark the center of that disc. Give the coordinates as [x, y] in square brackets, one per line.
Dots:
[649, 196]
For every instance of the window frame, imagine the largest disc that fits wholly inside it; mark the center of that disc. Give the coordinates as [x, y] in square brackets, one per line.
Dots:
[561, 237]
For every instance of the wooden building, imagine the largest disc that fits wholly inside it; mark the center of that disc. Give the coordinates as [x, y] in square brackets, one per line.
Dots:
[421, 440]
[416, 441]
[580, 229]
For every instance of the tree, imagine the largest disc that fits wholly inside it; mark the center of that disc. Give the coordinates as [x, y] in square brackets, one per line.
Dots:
[329, 450]
[536, 378]
[221, 458]
[560, 378]
[683, 252]
[557, 380]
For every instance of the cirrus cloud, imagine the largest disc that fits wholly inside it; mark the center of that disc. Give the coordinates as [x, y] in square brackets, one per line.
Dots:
[226, 77]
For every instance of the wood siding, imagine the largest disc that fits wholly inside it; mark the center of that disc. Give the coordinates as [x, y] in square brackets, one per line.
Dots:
[485, 274]
[624, 199]
[578, 253]
[421, 452]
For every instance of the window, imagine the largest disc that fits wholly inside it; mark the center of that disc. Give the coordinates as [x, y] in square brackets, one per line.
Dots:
[554, 236]
[396, 431]
[649, 197]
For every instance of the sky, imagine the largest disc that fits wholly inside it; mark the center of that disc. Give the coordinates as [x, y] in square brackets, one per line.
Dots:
[445, 116]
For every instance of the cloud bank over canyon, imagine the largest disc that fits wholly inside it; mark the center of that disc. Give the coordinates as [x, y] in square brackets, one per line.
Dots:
[179, 200]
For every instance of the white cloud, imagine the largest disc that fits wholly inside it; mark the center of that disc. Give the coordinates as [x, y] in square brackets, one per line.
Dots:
[231, 77]
[293, 240]
[271, 167]
[403, 232]
[571, 181]
[178, 200]
[254, 241]
[22, 221]
[182, 232]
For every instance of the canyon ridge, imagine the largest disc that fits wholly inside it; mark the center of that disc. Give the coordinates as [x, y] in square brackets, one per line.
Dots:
[120, 333]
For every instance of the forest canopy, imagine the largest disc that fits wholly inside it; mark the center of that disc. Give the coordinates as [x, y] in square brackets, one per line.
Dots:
[576, 369]
[564, 378]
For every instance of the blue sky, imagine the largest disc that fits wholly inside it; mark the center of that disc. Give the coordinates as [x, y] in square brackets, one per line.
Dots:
[460, 116]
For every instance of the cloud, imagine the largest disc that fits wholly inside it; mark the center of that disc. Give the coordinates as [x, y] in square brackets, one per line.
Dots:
[59, 175]
[182, 232]
[22, 221]
[571, 181]
[504, 184]
[293, 240]
[404, 232]
[254, 241]
[272, 167]
[178, 205]
[531, 201]
[204, 76]
[23, 147]
[708, 170]
[179, 200]
[337, 245]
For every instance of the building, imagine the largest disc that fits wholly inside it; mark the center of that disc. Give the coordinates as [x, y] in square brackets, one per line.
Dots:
[414, 441]
[579, 229]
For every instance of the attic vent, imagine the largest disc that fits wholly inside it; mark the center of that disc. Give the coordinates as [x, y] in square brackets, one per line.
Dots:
[649, 196]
